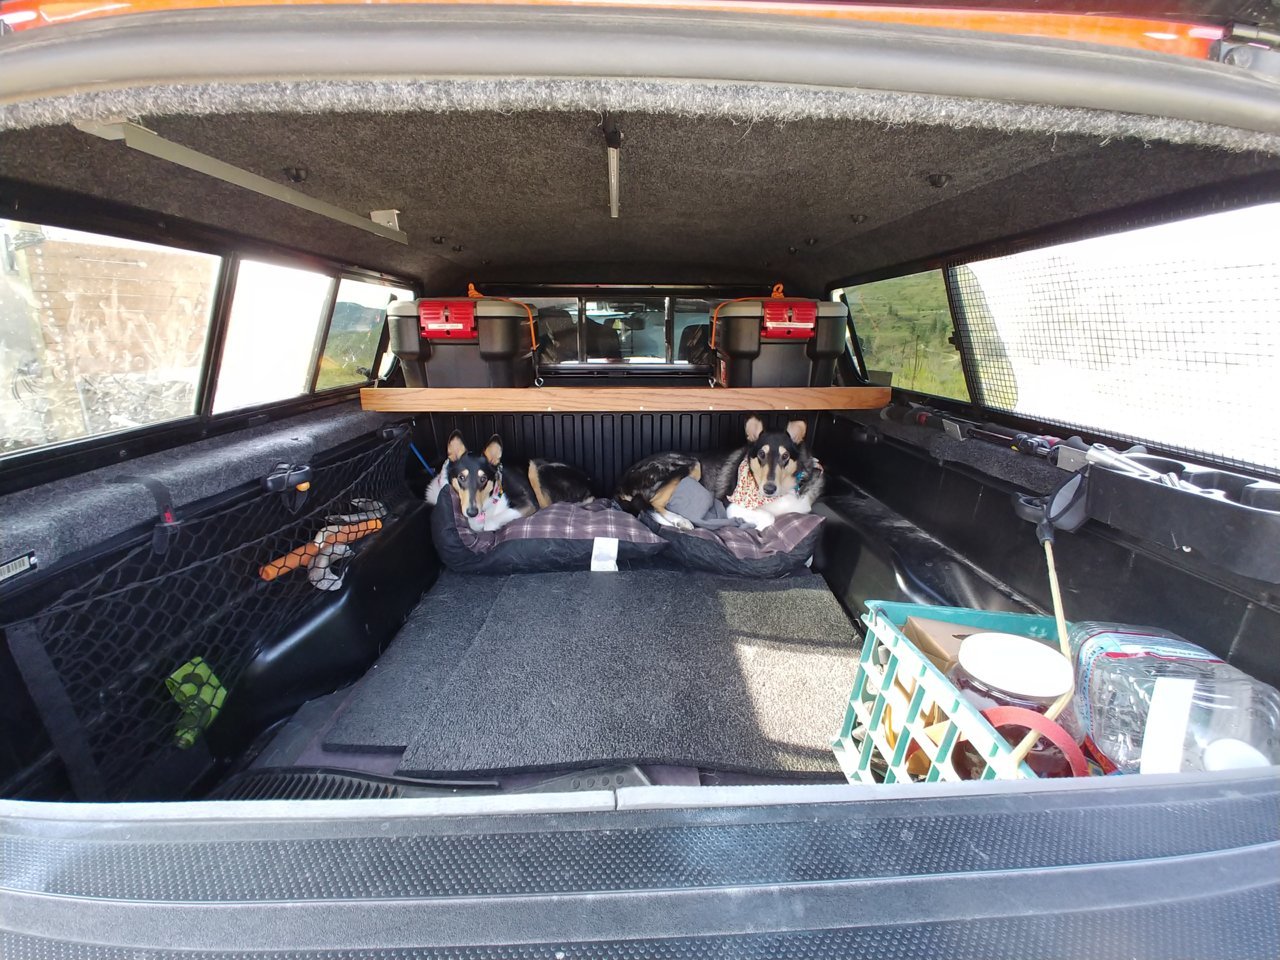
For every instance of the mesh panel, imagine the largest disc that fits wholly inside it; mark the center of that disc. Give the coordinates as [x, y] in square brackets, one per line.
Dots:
[1169, 334]
[141, 645]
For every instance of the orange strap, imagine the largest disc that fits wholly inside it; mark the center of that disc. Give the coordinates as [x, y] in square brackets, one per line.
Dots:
[475, 294]
[777, 294]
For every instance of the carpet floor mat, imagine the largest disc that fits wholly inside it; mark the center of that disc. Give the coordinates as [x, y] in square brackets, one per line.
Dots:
[641, 666]
[386, 707]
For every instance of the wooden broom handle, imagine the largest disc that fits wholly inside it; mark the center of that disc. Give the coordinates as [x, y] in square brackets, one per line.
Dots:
[1055, 709]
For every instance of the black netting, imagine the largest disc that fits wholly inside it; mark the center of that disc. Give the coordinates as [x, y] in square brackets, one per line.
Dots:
[1168, 335]
[127, 664]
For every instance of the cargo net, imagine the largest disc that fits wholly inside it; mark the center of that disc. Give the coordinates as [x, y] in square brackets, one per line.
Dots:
[1165, 335]
[134, 662]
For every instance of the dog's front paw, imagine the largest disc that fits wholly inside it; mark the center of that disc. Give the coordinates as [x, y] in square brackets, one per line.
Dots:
[668, 519]
[756, 518]
[679, 522]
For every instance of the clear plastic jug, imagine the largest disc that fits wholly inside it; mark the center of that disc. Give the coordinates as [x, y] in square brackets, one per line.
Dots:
[1151, 702]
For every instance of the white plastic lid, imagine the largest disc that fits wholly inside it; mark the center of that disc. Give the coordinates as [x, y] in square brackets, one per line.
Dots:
[1018, 665]
[1231, 754]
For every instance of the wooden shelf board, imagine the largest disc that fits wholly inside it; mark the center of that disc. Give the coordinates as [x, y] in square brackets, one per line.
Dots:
[619, 399]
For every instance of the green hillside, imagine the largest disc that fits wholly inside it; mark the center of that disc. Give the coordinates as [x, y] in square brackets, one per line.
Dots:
[904, 326]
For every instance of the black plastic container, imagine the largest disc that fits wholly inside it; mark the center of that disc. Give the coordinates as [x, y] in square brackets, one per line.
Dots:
[779, 342]
[462, 342]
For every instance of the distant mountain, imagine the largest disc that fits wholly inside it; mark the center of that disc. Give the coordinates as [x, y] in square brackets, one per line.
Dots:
[353, 318]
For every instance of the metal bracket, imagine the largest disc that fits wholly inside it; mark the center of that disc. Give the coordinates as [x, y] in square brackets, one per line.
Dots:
[1069, 458]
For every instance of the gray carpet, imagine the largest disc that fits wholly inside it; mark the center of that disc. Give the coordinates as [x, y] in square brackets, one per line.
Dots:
[387, 706]
[645, 666]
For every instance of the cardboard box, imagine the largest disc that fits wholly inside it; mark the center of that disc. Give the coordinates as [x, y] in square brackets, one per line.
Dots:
[938, 640]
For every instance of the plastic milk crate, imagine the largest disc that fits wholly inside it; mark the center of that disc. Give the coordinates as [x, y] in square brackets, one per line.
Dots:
[903, 705]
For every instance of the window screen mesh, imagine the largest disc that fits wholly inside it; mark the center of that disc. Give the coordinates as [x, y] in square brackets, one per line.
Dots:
[1168, 335]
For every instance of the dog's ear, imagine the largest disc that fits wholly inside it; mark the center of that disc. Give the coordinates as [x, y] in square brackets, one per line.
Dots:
[755, 427]
[796, 430]
[493, 450]
[455, 447]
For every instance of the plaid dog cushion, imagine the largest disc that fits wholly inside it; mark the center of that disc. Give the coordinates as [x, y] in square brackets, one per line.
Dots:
[780, 549]
[560, 537]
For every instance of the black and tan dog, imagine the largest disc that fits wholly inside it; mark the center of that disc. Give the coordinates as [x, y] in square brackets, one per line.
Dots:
[493, 496]
[771, 476]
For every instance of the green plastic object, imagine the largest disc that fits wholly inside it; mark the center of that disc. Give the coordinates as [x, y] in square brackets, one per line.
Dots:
[200, 694]
[897, 690]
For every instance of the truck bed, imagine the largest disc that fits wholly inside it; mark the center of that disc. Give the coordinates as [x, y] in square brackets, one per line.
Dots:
[555, 671]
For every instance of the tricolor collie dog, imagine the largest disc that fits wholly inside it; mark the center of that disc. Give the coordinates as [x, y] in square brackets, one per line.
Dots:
[492, 496]
[771, 476]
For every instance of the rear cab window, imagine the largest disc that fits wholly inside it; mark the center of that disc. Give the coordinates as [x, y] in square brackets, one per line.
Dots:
[635, 331]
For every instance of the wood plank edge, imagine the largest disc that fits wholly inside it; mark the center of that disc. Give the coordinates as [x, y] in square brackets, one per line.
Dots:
[620, 399]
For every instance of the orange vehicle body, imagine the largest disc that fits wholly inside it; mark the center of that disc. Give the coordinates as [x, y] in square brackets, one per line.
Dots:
[1161, 36]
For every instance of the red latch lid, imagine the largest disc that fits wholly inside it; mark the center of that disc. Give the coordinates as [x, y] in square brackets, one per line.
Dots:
[789, 319]
[447, 319]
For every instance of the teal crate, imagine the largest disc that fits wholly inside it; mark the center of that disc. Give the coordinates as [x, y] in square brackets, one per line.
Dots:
[864, 748]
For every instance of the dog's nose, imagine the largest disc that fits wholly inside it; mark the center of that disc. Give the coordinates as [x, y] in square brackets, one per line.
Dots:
[472, 512]
[770, 489]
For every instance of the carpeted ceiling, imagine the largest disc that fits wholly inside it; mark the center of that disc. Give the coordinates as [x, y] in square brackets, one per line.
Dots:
[703, 199]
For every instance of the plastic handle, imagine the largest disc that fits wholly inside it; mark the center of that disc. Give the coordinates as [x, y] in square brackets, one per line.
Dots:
[303, 556]
[1053, 732]
[776, 294]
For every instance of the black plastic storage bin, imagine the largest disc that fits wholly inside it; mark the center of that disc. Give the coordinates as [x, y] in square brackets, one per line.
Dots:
[779, 342]
[462, 342]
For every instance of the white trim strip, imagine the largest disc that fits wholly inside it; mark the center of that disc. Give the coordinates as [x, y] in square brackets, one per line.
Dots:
[144, 141]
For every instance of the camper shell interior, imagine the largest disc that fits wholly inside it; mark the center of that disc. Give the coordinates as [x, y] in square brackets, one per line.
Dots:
[833, 159]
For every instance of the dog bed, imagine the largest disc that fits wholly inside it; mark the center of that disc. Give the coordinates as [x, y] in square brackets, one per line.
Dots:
[778, 550]
[721, 544]
[559, 537]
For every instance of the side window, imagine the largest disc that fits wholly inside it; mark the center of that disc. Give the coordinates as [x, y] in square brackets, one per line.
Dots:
[97, 334]
[272, 334]
[1168, 334]
[904, 327]
[359, 315]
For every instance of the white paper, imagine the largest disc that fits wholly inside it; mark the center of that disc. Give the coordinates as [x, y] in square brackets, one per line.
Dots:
[1166, 728]
[604, 555]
